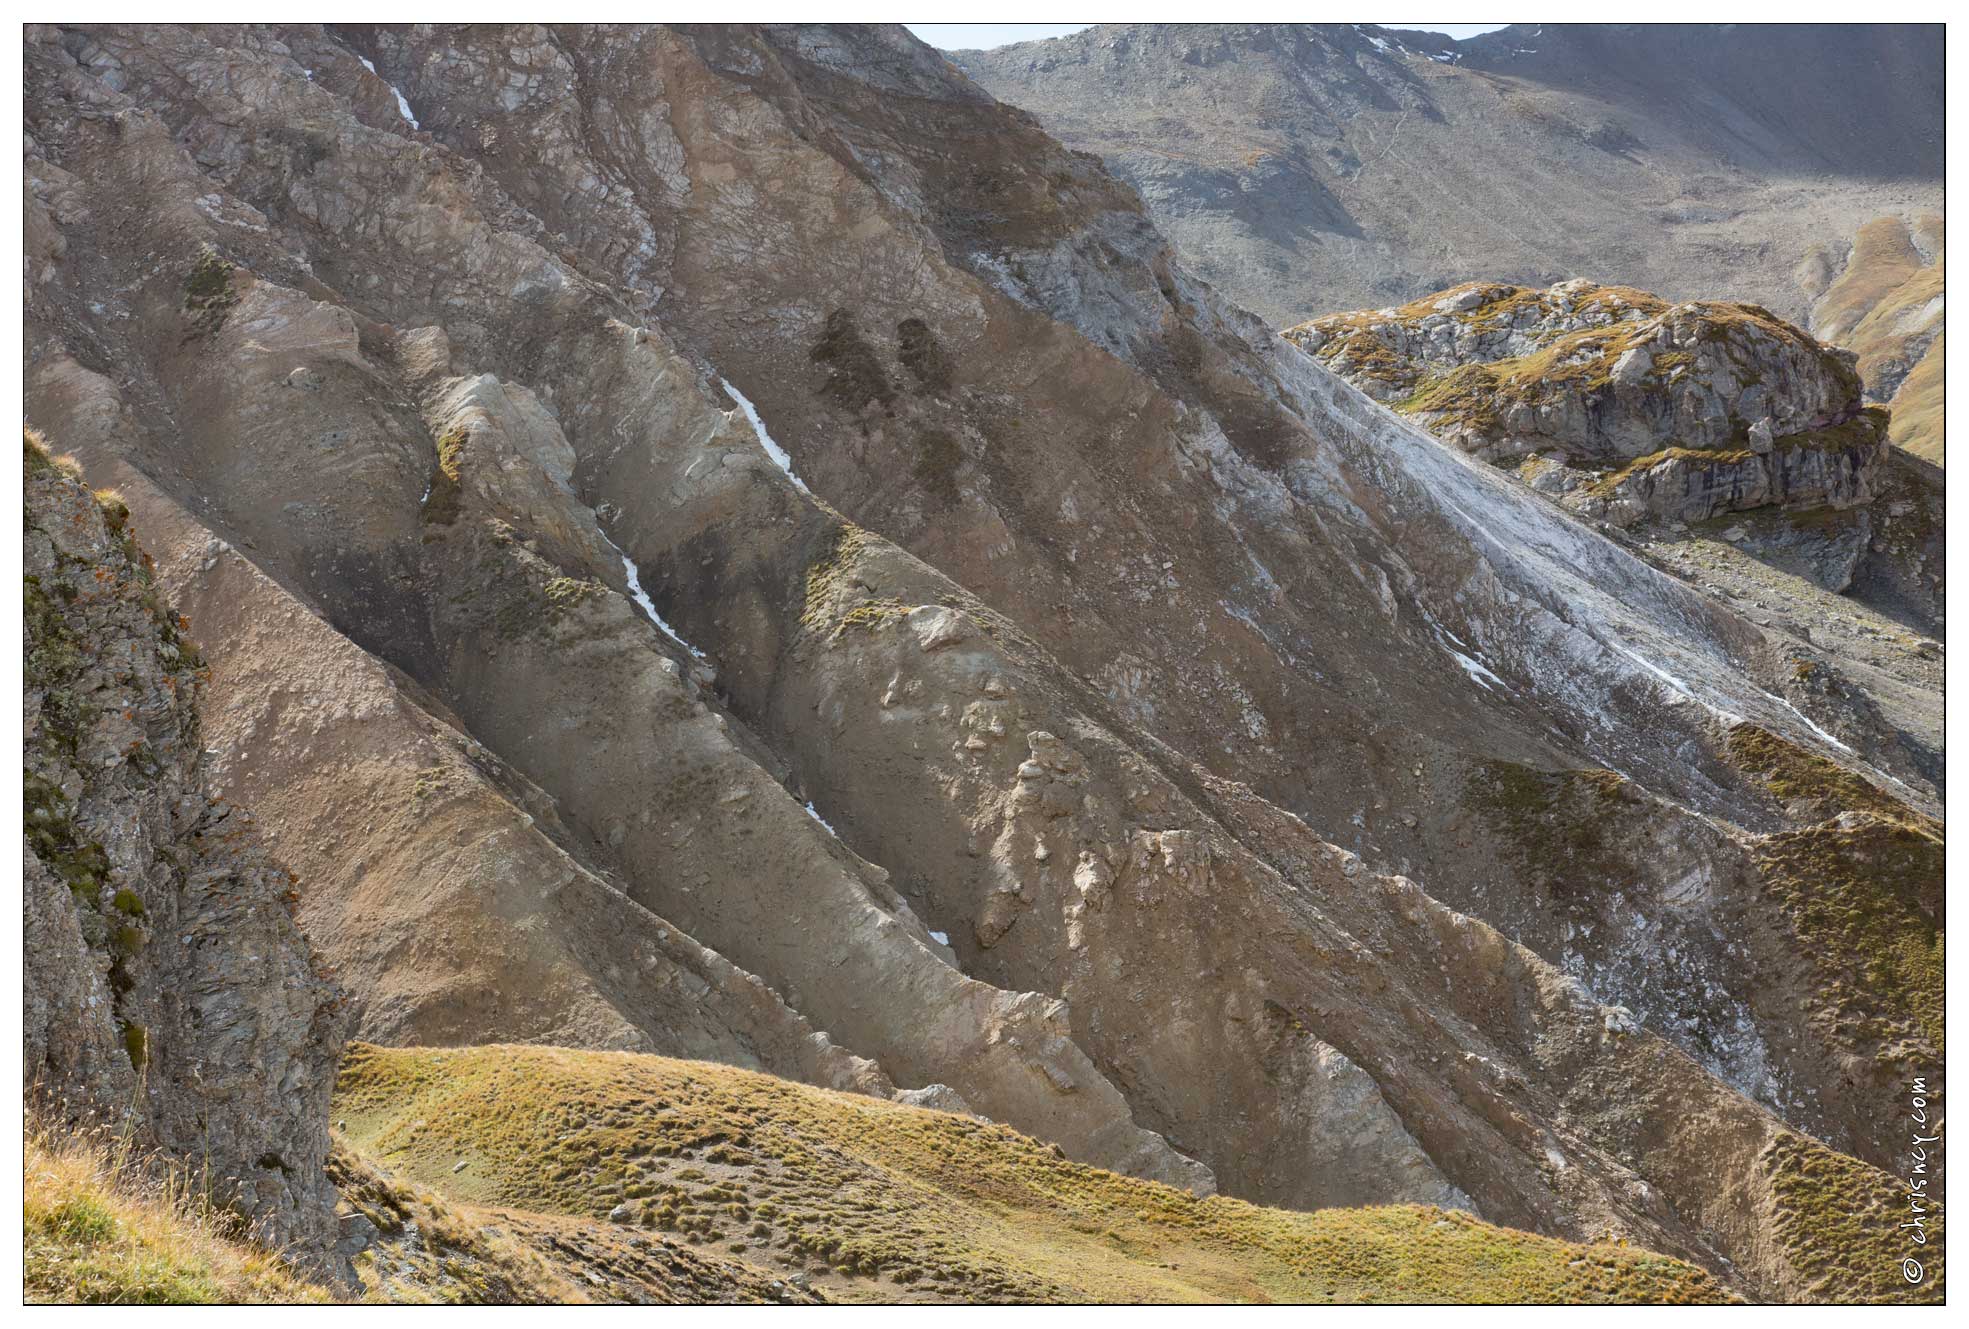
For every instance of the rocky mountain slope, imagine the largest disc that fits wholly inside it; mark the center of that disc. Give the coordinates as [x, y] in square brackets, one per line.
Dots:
[1681, 427]
[1327, 166]
[1306, 168]
[170, 999]
[879, 641]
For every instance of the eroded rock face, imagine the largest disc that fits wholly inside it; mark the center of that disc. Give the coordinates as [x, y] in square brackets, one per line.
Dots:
[168, 988]
[931, 746]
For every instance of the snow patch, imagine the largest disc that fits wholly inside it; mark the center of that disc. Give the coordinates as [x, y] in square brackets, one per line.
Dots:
[403, 107]
[1806, 720]
[1380, 44]
[1479, 672]
[1476, 671]
[773, 450]
[814, 812]
[941, 938]
[641, 597]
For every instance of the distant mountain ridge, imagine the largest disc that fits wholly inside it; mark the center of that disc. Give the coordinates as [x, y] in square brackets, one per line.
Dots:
[1308, 168]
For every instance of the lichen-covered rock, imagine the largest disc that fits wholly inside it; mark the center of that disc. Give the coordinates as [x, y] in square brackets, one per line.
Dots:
[1820, 468]
[1683, 411]
[168, 990]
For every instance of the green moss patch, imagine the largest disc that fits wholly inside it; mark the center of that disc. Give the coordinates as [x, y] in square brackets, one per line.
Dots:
[209, 294]
[1556, 824]
[80, 863]
[441, 505]
[1864, 431]
[1864, 896]
[1812, 787]
[1861, 881]
[136, 1044]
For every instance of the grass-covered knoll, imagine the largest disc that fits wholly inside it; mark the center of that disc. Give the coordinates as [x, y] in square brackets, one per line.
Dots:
[877, 1201]
[101, 1226]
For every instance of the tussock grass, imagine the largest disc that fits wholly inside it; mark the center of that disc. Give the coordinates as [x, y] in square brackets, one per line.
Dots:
[104, 1225]
[1838, 1222]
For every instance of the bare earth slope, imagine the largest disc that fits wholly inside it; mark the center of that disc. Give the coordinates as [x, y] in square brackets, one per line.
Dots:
[1101, 638]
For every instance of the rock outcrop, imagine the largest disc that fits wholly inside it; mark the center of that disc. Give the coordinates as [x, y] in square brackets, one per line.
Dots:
[1739, 453]
[169, 993]
[1636, 406]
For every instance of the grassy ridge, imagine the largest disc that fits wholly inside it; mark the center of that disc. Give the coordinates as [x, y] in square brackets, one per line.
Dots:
[876, 1201]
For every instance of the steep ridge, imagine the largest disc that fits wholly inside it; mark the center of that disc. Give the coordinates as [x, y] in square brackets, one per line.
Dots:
[419, 382]
[171, 1002]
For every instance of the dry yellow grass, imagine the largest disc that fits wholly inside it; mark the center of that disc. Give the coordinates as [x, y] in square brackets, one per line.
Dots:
[101, 1226]
[1887, 300]
[1917, 407]
[880, 1202]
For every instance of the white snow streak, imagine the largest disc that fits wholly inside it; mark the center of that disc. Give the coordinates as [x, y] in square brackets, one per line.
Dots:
[403, 107]
[1476, 670]
[641, 597]
[1807, 721]
[773, 450]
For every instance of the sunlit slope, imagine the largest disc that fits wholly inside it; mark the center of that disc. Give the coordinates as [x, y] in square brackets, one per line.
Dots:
[877, 1201]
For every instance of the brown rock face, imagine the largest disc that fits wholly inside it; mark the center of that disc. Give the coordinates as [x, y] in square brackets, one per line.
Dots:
[731, 543]
[168, 988]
